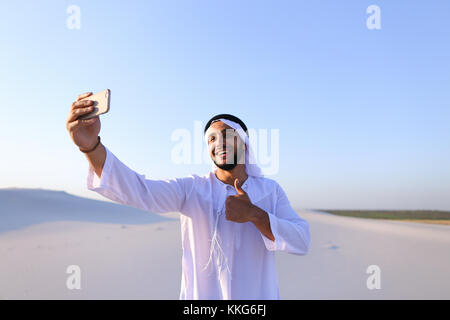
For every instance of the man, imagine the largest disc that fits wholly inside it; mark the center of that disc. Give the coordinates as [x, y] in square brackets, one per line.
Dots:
[232, 219]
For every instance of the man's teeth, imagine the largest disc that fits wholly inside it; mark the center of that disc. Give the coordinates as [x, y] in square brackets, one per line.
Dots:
[221, 153]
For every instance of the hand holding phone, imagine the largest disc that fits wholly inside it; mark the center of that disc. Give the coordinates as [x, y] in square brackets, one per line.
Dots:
[101, 104]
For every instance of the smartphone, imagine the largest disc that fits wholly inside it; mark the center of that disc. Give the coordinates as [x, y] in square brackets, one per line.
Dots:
[101, 104]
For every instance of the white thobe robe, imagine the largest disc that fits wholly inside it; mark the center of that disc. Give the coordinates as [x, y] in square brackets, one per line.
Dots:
[244, 268]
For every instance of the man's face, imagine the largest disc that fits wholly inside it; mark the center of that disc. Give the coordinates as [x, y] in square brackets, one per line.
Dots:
[225, 146]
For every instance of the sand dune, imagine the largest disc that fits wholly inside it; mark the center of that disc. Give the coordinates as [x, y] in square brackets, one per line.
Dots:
[26, 207]
[125, 253]
[414, 260]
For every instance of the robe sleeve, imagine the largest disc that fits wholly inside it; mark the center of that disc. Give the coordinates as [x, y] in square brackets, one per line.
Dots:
[123, 185]
[291, 232]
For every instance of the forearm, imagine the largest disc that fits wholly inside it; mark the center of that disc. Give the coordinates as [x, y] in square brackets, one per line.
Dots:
[261, 220]
[97, 159]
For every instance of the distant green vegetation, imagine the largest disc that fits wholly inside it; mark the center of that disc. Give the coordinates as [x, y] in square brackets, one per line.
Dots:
[393, 214]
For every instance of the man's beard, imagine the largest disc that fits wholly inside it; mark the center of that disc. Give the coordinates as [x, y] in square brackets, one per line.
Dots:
[228, 166]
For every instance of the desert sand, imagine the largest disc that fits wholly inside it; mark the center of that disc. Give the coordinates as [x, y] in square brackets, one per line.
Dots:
[125, 253]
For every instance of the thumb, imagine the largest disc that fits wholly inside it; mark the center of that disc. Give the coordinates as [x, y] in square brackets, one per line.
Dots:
[237, 187]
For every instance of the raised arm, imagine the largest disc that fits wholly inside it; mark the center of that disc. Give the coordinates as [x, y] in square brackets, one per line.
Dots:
[111, 178]
[122, 184]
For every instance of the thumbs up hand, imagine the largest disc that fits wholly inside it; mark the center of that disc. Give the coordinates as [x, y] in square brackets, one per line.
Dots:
[238, 207]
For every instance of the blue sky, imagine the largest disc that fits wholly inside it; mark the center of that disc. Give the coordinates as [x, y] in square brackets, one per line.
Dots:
[363, 115]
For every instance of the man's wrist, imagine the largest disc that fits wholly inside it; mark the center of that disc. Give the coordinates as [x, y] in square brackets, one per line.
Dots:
[93, 147]
[256, 213]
